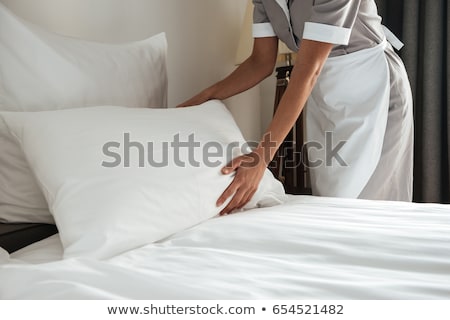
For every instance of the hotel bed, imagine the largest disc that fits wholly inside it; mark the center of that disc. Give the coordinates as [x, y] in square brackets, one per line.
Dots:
[127, 231]
[307, 248]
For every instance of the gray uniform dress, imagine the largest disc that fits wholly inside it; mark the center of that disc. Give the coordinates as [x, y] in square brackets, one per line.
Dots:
[352, 26]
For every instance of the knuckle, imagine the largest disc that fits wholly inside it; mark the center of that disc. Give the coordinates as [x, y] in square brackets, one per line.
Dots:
[239, 180]
[247, 186]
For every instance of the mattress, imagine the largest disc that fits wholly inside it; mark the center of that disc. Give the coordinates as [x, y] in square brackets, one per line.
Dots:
[307, 248]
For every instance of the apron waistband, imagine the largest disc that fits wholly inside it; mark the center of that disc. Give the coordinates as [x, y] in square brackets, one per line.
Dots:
[392, 38]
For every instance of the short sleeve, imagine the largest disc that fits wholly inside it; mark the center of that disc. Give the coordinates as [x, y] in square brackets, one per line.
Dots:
[261, 24]
[332, 21]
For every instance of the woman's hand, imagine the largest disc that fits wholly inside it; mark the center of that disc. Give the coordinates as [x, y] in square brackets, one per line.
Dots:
[252, 71]
[200, 98]
[249, 172]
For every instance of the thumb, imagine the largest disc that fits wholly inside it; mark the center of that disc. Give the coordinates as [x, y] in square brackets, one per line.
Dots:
[232, 166]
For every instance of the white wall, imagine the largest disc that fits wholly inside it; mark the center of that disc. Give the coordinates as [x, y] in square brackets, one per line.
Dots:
[203, 36]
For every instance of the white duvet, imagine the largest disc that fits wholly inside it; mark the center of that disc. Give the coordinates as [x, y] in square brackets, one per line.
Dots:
[308, 248]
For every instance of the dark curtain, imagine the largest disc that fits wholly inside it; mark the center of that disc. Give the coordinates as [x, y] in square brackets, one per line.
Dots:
[423, 26]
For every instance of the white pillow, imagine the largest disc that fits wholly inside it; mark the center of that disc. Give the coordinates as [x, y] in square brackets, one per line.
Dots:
[44, 71]
[104, 208]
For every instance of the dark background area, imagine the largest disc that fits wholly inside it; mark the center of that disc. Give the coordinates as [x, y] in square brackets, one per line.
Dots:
[424, 27]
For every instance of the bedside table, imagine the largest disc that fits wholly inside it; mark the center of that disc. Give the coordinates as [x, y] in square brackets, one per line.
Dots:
[288, 165]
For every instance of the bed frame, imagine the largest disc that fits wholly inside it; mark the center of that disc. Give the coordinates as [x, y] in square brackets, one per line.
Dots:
[15, 236]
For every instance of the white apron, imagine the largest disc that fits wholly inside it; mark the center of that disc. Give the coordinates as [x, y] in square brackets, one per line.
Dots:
[350, 101]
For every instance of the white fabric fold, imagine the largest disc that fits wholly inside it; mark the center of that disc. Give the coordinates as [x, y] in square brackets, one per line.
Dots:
[392, 39]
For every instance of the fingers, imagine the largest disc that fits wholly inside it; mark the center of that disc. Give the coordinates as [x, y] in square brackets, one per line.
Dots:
[241, 195]
[245, 161]
[249, 172]
[234, 203]
[247, 198]
[228, 193]
[188, 103]
[233, 165]
[195, 101]
[241, 198]
[234, 186]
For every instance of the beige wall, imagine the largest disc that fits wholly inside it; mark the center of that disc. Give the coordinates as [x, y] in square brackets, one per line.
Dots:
[203, 36]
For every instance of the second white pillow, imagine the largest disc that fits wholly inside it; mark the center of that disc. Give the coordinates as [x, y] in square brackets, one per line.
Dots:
[40, 70]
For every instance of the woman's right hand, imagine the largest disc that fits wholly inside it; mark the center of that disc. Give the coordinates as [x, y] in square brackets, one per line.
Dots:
[200, 98]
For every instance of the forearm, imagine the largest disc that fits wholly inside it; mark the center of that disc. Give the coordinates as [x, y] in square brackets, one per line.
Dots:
[246, 76]
[310, 60]
[252, 71]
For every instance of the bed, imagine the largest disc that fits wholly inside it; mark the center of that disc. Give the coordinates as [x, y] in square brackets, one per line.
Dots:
[87, 220]
[307, 248]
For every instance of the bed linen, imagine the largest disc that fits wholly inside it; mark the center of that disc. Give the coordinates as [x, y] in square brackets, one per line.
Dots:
[47, 250]
[307, 248]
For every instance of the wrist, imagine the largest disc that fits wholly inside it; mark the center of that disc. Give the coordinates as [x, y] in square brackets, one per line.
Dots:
[263, 156]
[267, 149]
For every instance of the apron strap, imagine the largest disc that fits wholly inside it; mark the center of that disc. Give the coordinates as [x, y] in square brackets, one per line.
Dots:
[392, 38]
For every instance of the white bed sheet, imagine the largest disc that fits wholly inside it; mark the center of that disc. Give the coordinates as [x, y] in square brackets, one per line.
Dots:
[47, 250]
[308, 248]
